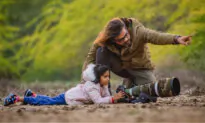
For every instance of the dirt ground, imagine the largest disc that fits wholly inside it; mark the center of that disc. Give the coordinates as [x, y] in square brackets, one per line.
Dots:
[189, 106]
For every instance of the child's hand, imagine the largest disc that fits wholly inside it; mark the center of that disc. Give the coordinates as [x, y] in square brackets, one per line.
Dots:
[118, 95]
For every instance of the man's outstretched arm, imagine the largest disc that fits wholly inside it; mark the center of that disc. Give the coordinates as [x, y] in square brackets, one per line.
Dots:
[155, 37]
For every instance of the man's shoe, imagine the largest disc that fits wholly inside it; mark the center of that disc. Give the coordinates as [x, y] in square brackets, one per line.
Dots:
[144, 98]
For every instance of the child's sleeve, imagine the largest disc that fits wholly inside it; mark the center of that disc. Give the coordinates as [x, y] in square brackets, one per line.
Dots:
[94, 94]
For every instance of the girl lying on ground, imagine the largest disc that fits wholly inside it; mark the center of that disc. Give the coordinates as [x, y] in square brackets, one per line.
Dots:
[94, 90]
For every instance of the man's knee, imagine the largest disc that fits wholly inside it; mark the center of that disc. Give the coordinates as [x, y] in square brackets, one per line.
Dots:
[143, 76]
[102, 56]
[106, 57]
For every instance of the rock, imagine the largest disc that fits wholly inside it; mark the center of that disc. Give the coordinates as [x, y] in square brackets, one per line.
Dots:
[143, 106]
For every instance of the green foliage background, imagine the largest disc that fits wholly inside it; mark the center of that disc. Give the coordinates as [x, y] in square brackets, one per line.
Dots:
[49, 39]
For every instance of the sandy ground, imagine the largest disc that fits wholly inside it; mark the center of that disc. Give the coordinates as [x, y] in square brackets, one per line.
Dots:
[189, 106]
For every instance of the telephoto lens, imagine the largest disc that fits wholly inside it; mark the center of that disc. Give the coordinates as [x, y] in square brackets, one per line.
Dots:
[166, 87]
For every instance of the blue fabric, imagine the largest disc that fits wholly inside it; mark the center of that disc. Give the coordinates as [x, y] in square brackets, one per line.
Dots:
[46, 100]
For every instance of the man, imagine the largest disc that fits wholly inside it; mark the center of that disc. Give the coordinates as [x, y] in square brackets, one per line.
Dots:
[122, 45]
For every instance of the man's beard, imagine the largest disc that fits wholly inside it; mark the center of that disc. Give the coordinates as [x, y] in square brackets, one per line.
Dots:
[127, 44]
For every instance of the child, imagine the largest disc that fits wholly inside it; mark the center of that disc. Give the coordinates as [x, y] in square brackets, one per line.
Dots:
[94, 90]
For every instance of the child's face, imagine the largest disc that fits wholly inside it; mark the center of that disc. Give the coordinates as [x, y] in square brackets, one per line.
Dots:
[104, 79]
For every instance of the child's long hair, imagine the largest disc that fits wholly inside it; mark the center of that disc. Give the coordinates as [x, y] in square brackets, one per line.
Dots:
[99, 70]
